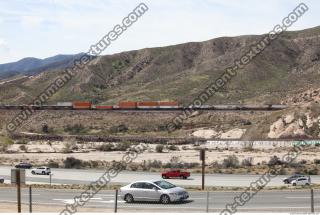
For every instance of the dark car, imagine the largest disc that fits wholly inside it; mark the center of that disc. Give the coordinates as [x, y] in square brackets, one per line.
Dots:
[23, 166]
[291, 178]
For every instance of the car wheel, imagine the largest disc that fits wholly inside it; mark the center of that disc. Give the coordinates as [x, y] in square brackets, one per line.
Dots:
[43, 173]
[164, 177]
[165, 199]
[128, 198]
[32, 172]
[294, 184]
[185, 177]
[307, 184]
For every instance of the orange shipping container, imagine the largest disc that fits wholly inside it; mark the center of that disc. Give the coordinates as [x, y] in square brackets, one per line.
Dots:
[81, 105]
[148, 103]
[168, 103]
[104, 107]
[127, 104]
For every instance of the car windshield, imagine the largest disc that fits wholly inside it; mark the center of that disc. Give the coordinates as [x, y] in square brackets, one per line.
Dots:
[164, 184]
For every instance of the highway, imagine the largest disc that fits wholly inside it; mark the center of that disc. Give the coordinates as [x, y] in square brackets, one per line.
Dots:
[264, 201]
[85, 176]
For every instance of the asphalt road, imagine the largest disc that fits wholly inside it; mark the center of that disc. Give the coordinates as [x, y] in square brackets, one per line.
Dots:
[264, 201]
[81, 176]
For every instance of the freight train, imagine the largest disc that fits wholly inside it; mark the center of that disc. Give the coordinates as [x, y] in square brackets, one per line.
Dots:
[140, 105]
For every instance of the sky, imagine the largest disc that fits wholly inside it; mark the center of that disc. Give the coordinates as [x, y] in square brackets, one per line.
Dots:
[44, 28]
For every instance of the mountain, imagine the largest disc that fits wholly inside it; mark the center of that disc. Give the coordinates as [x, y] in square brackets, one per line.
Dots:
[289, 66]
[33, 66]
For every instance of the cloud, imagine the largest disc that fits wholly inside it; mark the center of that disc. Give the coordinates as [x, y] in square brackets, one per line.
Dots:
[31, 21]
[4, 48]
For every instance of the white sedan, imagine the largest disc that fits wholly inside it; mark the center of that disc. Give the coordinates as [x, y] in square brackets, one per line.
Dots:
[301, 181]
[160, 190]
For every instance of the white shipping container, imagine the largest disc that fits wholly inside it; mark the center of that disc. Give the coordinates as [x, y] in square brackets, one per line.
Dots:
[64, 104]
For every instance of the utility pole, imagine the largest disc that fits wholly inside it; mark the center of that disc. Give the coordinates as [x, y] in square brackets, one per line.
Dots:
[18, 182]
[203, 159]
[312, 201]
[116, 202]
[30, 199]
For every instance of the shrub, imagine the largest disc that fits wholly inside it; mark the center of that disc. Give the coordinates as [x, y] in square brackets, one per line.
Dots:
[75, 129]
[274, 161]
[154, 164]
[313, 171]
[316, 161]
[159, 148]
[185, 148]
[23, 148]
[93, 164]
[67, 148]
[53, 164]
[215, 164]
[303, 161]
[248, 147]
[71, 162]
[247, 162]
[45, 128]
[5, 142]
[106, 147]
[22, 141]
[173, 148]
[123, 146]
[231, 162]
[118, 128]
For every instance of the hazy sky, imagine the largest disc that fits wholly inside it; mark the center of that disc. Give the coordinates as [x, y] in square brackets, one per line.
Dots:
[43, 28]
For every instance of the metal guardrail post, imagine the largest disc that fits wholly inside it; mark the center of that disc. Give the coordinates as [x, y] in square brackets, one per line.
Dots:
[116, 202]
[207, 209]
[30, 199]
[312, 201]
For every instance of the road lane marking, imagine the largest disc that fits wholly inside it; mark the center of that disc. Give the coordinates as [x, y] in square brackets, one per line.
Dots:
[301, 197]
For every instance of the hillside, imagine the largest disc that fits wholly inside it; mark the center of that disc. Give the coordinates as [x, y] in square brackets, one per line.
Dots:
[34, 66]
[286, 68]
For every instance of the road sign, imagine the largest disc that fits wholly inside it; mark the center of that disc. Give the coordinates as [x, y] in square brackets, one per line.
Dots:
[22, 176]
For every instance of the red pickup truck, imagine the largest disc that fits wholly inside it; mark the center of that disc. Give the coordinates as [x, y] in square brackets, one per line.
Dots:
[175, 174]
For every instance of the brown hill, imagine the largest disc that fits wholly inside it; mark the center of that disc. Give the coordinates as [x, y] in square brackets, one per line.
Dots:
[287, 67]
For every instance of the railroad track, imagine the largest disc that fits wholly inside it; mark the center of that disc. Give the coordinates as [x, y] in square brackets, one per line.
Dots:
[205, 108]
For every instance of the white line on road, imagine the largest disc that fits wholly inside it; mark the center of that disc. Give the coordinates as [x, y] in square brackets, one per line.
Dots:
[301, 197]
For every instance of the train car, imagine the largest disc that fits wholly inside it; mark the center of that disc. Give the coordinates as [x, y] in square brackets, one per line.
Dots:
[63, 106]
[168, 105]
[79, 105]
[103, 107]
[148, 105]
[278, 107]
[127, 105]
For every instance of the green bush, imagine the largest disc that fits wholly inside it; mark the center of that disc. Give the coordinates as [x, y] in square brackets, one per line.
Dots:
[119, 128]
[316, 161]
[106, 147]
[230, 162]
[247, 162]
[173, 148]
[274, 161]
[71, 162]
[53, 164]
[75, 129]
[159, 148]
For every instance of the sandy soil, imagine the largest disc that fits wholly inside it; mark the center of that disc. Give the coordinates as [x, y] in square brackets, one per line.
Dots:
[189, 155]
